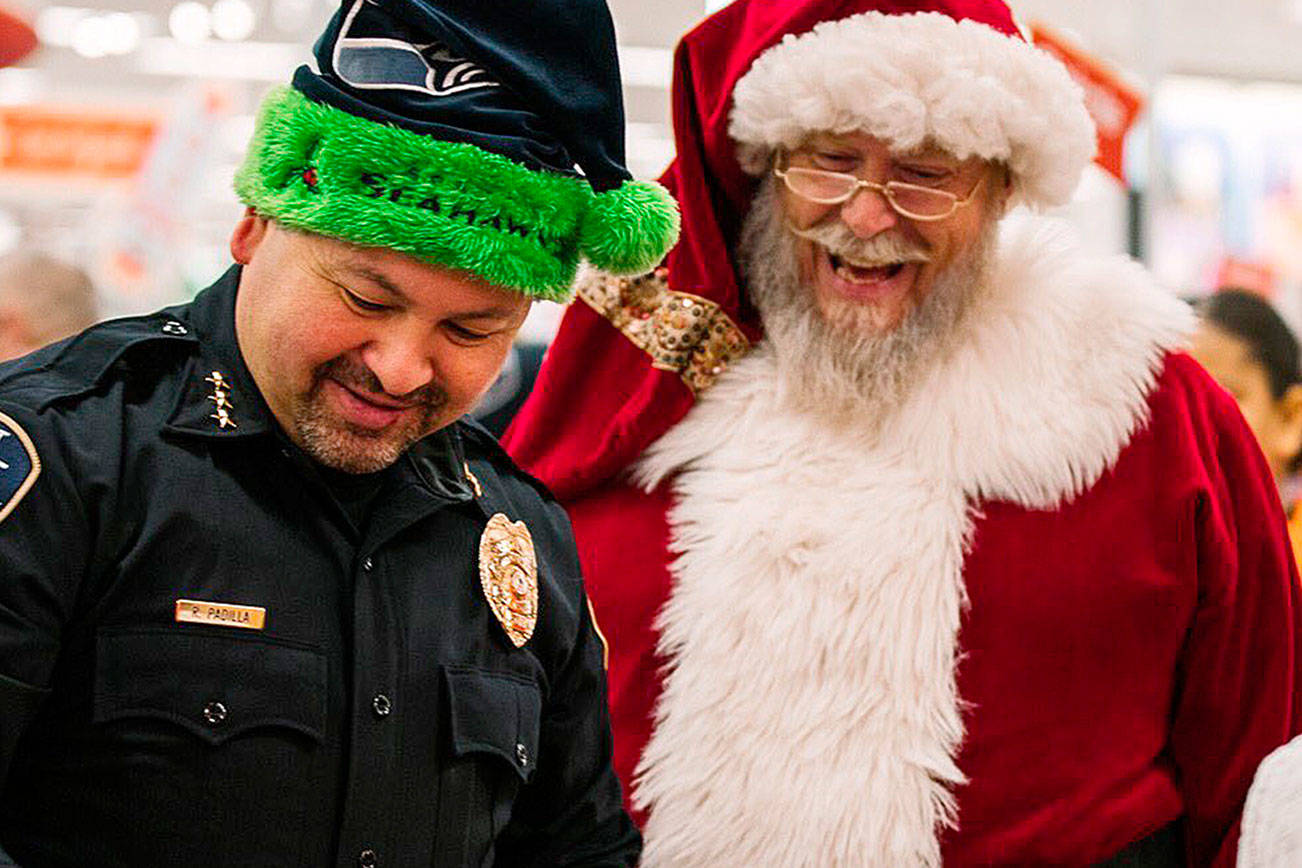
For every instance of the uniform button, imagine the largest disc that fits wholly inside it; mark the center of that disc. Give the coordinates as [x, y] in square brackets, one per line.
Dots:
[367, 565]
[522, 754]
[214, 713]
[381, 705]
[368, 859]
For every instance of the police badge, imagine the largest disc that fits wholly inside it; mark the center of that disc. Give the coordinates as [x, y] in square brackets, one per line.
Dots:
[508, 571]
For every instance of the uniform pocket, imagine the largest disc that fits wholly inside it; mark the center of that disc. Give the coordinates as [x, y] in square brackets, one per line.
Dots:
[213, 685]
[493, 729]
[495, 714]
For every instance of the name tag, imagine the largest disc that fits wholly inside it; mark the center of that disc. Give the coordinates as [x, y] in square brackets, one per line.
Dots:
[224, 614]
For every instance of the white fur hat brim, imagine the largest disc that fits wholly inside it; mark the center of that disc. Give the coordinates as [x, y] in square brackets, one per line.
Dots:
[916, 79]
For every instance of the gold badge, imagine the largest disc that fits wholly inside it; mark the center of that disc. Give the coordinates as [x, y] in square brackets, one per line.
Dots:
[223, 614]
[508, 570]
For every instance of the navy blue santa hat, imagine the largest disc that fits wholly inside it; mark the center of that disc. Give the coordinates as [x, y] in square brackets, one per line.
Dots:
[482, 136]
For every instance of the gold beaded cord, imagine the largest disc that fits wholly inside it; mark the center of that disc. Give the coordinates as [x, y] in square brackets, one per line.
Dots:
[682, 333]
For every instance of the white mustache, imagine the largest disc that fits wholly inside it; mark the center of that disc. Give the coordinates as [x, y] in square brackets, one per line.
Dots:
[886, 248]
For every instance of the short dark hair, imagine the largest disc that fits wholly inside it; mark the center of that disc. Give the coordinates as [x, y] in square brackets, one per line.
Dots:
[1253, 320]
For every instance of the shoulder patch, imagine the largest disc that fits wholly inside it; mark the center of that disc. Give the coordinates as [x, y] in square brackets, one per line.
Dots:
[19, 465]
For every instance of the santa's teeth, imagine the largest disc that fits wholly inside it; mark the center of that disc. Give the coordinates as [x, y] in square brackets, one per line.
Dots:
[849, 274]
[872, 274]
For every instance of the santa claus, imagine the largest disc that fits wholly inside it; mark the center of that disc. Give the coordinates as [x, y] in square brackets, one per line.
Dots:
[916, 536]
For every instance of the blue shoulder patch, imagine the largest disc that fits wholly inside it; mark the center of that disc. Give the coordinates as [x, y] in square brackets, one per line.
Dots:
[19, 465]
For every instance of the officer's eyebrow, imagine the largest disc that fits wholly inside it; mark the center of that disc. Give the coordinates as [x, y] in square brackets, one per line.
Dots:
[367, 273]
[360, 269]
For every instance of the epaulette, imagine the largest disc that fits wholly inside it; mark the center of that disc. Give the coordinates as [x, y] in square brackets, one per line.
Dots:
[82, 363]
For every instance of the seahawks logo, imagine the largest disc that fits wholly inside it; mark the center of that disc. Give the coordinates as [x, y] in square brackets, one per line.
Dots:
[382, 63]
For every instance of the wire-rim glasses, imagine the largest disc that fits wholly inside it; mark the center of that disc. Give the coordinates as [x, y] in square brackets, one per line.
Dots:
[909, 200]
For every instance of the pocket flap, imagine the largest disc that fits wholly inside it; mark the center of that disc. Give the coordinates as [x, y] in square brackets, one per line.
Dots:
[215, 686]
[495, 713]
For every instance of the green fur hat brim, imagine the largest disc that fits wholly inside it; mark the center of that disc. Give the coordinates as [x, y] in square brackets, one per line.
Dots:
[318, 168]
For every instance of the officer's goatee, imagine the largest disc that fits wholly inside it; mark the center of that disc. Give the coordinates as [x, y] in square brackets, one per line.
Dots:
[337, 443]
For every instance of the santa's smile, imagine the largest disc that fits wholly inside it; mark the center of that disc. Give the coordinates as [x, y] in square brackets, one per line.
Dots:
[863, 281]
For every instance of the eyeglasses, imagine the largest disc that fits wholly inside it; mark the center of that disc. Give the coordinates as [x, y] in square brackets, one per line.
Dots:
[908, 200]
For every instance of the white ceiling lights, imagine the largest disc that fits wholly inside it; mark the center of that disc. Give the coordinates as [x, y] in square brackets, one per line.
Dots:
[189, 22]
[233, 20]
[106, 35]
[89, 32]
[192, 22]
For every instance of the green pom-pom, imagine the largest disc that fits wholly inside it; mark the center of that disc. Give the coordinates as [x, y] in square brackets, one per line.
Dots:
[628, 230]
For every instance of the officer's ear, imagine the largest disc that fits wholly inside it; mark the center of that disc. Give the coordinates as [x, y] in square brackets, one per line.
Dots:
[248, 234]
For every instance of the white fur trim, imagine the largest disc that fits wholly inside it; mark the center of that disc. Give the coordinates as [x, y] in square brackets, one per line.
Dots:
[810, 713]
[917, 78]
[1272, 814]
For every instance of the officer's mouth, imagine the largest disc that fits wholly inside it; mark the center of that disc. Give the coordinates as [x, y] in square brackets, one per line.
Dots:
[365, 410]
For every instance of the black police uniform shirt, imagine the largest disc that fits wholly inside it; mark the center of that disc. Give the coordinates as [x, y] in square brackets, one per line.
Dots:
[381, 715]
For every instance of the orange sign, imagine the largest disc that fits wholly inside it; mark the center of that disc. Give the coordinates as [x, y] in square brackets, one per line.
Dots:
[1112, 103]
[71, 142]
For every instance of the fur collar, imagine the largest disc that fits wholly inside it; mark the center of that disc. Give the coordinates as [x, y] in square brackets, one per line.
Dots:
[809, 713]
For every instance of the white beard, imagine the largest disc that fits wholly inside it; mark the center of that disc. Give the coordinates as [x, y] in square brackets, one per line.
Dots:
[843, 367]
[810, 713]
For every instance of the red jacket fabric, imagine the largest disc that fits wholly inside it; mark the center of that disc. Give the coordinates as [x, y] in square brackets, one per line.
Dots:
[1122, 666]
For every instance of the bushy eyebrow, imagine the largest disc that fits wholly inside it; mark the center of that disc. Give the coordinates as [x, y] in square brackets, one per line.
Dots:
[925, 152]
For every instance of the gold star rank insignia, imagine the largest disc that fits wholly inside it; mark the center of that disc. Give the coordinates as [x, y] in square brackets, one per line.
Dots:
[221, 391]
[508, 571]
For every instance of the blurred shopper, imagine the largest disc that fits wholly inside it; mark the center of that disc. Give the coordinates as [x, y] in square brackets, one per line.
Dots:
[42, 300]
[265, 598]
[1245, 344]
[964, 561]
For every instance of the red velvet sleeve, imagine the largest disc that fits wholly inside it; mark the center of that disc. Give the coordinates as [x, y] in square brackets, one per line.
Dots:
[1238, 695]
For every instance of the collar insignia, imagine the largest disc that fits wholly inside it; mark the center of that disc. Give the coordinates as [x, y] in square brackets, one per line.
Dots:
[221, 397]
[473, 480]
[508, 571]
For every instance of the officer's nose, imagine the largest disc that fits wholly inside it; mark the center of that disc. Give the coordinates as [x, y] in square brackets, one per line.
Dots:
[868, 213]
[401, 360]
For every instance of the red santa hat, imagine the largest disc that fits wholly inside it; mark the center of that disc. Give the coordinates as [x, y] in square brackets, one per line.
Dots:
[631, 357]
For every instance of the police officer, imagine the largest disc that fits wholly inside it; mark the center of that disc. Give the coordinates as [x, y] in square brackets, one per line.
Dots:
[264, 599]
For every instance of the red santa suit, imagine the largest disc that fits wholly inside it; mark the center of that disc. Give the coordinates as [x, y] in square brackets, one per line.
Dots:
[1043, 610]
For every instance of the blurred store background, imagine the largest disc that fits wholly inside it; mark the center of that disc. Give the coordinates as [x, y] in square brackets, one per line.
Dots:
[121, 129]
